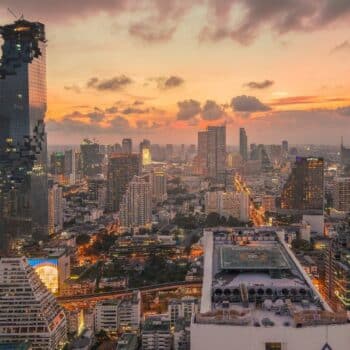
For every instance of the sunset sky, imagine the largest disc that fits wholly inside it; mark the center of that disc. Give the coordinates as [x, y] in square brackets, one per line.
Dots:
[163, 70]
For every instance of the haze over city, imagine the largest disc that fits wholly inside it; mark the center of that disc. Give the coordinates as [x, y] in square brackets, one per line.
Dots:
[142, 68]
[174, 175]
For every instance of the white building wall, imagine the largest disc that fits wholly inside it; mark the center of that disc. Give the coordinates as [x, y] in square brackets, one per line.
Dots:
[209, 337]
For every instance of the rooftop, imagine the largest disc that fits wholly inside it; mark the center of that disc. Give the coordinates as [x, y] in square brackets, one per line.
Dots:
[252, 278]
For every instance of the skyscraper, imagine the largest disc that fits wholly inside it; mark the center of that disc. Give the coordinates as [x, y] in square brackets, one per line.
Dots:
[23, 148]
[159, 185]
[127, 146]
[345, 157]
[145, 152]
[121, 169]
[342, 194]
[136, 205]
[216, 138]
[212, 152]
[91, 158]
[55, 208]
[243, 144]
[28, 311]
[304, 189]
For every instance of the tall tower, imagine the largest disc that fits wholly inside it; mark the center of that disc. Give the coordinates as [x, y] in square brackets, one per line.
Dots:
[243, 144]
[121, 169]
[216, 138]
[304, 189]
[136, 205]
[23, 148]
[127, 146]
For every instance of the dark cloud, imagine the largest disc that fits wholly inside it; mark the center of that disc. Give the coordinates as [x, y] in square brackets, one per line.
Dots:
[280, 16]
[167, 83]
[343, 47]
[295, 100]
[248, 104]
[212, 111]
[260, 84]
[74, 88]
[112, 110]
[113, 84]
[138, 103]
[132, 110]
[151, 33]
[188, 109]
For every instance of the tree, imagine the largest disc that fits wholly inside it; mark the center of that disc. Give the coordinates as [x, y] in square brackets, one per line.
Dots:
[83, 238]
[212, 220]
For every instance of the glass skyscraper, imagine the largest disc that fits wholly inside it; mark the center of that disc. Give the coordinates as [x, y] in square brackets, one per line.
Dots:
[23, 147]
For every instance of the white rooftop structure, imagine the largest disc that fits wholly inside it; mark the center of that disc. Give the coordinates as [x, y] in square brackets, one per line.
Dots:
[257, 296]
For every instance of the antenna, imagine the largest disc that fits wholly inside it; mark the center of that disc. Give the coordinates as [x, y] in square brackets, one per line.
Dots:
[12, 13]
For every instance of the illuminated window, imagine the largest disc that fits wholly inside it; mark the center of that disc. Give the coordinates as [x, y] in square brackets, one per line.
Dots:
[273, 346]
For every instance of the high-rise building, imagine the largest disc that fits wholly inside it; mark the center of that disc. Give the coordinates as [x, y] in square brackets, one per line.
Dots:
[342, 194]
[159, 185]
[91, 158]
[169, 151]
[212, 152]
[145, 152]
[57, 163]
[97, 192]
[182, 308]
[28, 311]
[243, 144]
[285, 147]
[23, 147]
[345, 157]
[304, 189]
[136, 205]
[55, 208]
[121, 169]
[112, 315]
[156, 334]
[70, 166]
[127, 146]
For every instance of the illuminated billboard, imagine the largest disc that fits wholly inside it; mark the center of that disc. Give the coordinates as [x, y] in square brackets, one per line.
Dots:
[47, 269]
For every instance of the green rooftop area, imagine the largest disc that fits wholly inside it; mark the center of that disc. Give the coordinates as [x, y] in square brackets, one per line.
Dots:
[252, 258]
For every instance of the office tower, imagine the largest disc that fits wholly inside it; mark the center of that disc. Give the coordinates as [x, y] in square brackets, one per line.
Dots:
[256, 295]
[28, 311]
[70, 166]
[243, 144]
[285, 147]
[212, 152]
[156, 334]
[159, 185]
[258, 152]
[57, 163]
[217, 152]
[345, 157]
[55, 208]
[145, 152]
[91, 158]
[23, 148]
[127, 146]
[304, 189]
[342, 194]
[121, 169]
[202, 154]
[224, 203]
[136, 205]
[97, 192]
[169, 151]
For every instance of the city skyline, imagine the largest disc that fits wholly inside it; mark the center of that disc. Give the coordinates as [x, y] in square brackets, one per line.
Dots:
[100, 85]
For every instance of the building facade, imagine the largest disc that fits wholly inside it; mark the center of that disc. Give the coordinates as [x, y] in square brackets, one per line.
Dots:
[121, 169]
[304, 189]
[23, 146]
[243, 144]
[28, 311]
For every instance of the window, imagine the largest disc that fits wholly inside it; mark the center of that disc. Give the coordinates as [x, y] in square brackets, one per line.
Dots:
[273, 346]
